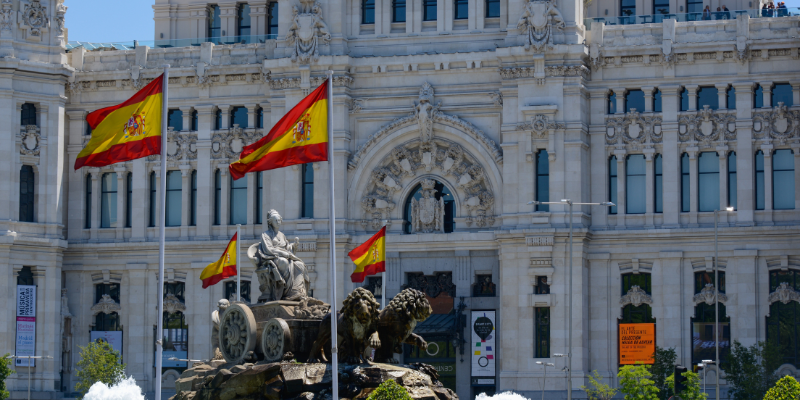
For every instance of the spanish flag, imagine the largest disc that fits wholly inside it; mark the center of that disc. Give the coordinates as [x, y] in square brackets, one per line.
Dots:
[125, 131]
[223, 268]
[300, 137]
[370, 257]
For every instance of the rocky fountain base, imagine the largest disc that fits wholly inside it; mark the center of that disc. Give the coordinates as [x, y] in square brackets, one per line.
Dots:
[305, 381]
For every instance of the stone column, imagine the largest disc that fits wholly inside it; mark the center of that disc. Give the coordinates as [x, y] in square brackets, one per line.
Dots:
[767, 149]
[743, 278]
[225, 218]
[650, 187]
[693, 206]
[766, 90]
[187, 118]
[670, 161]
[620, 154]
[475, 14]
[620, 100]
[228, 18]
[251, 114]
[722, 152]
[77, 181]
[186, 200]
[795, 95]
[440, 15]
[796, 151]
[669, 296]
[745, 153]
[722, 96]
[122, 198]
[597, 148]
[258, 17]
[205, 172]
[226, 116]
[692, 92]
[449, 14]
[648, 98]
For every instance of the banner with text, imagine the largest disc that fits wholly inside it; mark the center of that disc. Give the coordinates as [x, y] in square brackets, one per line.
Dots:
[483, 344]
[26, 325]
[637, 343]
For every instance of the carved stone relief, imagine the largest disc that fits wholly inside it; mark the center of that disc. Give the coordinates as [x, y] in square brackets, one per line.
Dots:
[633, 129]
[554, 71]
[707, 296]
[539, 18]
[180, 146]
[228, 144]
[432, 285]
[779, 124]
[61, 10]
[173, 304]
[707, 126]
[427, 214]
[34, 19]
[6, 15]
[106, 305]
[307, 31]
[784, 294]
[29, 140]
[635, 297]
[540, 126]
[424, 112]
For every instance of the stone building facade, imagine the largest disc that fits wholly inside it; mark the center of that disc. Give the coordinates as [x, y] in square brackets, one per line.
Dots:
[480, 105]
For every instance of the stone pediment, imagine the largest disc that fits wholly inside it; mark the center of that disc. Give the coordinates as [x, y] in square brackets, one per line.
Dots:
[707, 296]
[106, 305]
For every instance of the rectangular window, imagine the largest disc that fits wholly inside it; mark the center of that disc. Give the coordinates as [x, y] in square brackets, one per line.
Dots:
[194, 120]
[238, 201]
[657, 101]
[634, 99]
[429, 10]
[685, 183]
[643, 281]
[660, 7]
[492, 8]
[461, 9]
[28, 114]
[759, 180]
[542, 334]
[635, 183]
[612, 103]
[175, 120]
[542, 287]
[398, 10]
[259, 189]
[218, 120]
[129, 200]
[194, 199]
[88, 131]
[109, 289]
[708, 96]
[26, 193]
[217, 197]
[153, 199]
[730, 101]
[214, 23]
[684, 106]
[783, 180]
[260, 118]
[732, 180]
[272, 27]
[87, 217]
[627, 8]
[367, 11]
[239, 117]
[230, 290]
[708, 181]
[612, 183]
[243, 25]
[307, 207]
[694, 6]
[174, 198]
[542, 180]
[782, 93]
[108, 200]
[658, 196]
[758, 96]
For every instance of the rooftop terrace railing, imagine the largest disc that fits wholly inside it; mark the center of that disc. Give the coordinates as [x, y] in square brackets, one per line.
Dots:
[166, 43]
[687, 17]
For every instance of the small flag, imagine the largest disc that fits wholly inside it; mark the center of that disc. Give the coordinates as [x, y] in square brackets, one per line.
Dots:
[223, 268]
[370, 257]
[125, 131]
[300, 137]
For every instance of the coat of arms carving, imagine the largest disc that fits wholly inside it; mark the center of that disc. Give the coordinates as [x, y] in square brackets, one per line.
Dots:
[307, 31]
[537, 22]
[427, 213]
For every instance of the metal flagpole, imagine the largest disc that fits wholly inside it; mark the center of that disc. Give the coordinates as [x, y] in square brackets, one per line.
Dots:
[383, 276]
[162, 223]
[332, 222]
[238, 265]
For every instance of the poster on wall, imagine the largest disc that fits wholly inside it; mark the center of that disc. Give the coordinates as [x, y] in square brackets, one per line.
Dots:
[483, 344]
[26, 325]
[114, 338]
[637, 343]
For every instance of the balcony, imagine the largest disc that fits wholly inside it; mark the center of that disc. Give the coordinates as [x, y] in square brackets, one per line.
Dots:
[688, 17]
[166, 43]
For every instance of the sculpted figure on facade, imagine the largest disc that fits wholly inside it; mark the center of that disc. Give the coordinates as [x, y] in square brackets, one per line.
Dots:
[424, 112]
[222, 305]
[307, 31]
[6, 15]
[539, 18]
[281, 274]
[427, 213]
[34, 18]
[61, 9]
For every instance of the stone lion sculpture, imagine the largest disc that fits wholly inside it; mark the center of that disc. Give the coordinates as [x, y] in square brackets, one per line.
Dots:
[397, 322]
[357, 325]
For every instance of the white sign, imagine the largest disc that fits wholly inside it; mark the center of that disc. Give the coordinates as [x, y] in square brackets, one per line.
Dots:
[181, 355]
[26, 325]
[114, 338]
[483, 343]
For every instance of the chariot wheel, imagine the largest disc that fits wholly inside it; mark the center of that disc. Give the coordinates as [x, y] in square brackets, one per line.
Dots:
[237, 333]
[275, 339]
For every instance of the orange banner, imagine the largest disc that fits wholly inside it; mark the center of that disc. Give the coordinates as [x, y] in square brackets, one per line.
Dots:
[637, 343]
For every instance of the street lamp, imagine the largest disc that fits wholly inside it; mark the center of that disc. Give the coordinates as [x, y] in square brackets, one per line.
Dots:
[704, 364]
[570, 203]
[716, 294]
[545, 365]
[29, 368]
[187, 360]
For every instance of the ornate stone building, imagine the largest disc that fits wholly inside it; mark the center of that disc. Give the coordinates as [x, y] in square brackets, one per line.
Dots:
[449, 117]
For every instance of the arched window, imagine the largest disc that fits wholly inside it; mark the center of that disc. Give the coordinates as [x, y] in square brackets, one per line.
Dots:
[611, 106]
[25, 276]
[259, 193]
[398, 10]
[238, 201]
[217, 197]
[26, 193]
[542, 180]
[194, 120]
[658, 185]
[175, 119]
[782, 93]
[657, 100]
[703, 323]
[783, 321]
[708, 181]
[239, 116]
[612, 183]
[307, 201]
[635, 177]
[87, 212]
[193, 215]
[367, 11]
[642, 313]
[442, 192]
[783, 180]
[108, 200]
[684, 103]
[759, 161]
[28, 115]
[260, 118]
[708, 96]
[174, 198]
[634, 99]
[153, 199]
[218, 119]
[758, 96]
[732, 179]
[730, 101]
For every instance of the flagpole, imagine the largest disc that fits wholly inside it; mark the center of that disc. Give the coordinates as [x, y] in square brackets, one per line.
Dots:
[238, 265]
[162, 223]
[332, 222]
[383, 274]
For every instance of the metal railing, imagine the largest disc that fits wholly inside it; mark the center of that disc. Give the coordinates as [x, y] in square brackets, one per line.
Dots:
[694, 16]
[166, 43]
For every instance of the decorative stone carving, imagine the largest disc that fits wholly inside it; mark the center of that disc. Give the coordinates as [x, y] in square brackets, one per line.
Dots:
[707, 296]
[432, 285]
[538, 20]
[29, 140]
[635, 297]
[311, 308]
[65, 304]
[424, 112]
[6, 15]
[228, 144]
[181, 145]
[707, 126]
[61, 10]
[201, 74]
[355, 105]
[357, 327]
[173, 304]
[222, 305]
[397, 322]
[497, 98]
[540, 126]
[742, 52]
[106, 305]
[34, 19]
[779, 124]
[633, 129]
[784, 294]
[554, 71]
[427, 214]
[307, 31]
[281, 274]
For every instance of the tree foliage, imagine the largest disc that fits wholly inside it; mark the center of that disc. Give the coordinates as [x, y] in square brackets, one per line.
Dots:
[787, 388]
[389, 390]
[662, 368]
[692, 391]
[5, 372]
[599, 390]
[635, 382]
[99, 363]
[750, 371]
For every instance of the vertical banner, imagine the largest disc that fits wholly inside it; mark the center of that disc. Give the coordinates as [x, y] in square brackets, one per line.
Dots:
[483, 346]
[26, 325]
[637, 343]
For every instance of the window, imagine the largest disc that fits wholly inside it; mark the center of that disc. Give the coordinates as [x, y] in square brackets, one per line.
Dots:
[730, 101]
[87, 216]
[441, 192]
[685, 184]
[230, 290]
[367, 11]
[627, 8]
[657, 101]
[612, 103]
[153, 199]
[175, 335]
[484, 287]
[643, 281]
[177, 289]
[25, 277]
[708, 96]
[243, 23]
[694, 6]
[238, 201]
[782, 93]
[175, 119]
[684, 106]
[708, 181]
[760, 180]
[637, 314]
[658, 185]
[194, 120]
[612, 184]
[758, 97]
[106, 322]
[429, 10]
[218, 120]
[461, 9]
[214, 22]
[217, 197]
[398, 10]
[542, 335]
[260, 118]
[706, 279]
[193, 216]
[109, 289]
[542, 180]
[108, 200]
[307, 206]
[239, 116]
[732, 180]
[259, 194]
[703, 334]
[634, 99]
[783, 180]
[272, 28]
[660, 7]
[129, 200]
[26, 193]
[783, 328]
[492, 8]
[635, 177]
[542, 287]
[174, 198]
[28, 114]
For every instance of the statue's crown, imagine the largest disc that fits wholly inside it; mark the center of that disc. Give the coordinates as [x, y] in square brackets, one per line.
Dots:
[428, 184]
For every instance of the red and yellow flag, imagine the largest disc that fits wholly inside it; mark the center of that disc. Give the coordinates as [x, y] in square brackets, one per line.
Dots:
[125, 131]
[370, 257]
[300, 137]
[223, 268]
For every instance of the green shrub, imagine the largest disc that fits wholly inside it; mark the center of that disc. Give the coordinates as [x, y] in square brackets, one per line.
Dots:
[599, 390]
[750, 371]
[787, 388]
[635, 382]
[664, 361]
[692, 391]
[389, 390]
[99, 363]
[5, 371]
